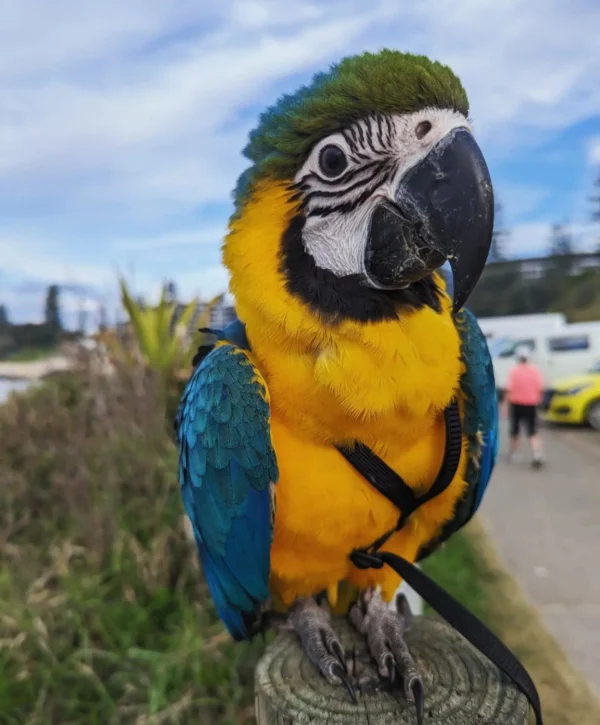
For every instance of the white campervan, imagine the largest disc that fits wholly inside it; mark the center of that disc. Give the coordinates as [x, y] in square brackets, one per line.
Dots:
[496, 328]
[559, 353]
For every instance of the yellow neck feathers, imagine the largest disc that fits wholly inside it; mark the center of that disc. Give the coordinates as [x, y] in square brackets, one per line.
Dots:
[333, 380]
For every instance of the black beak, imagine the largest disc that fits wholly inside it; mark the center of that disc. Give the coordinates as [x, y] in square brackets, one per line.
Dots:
[443, 210]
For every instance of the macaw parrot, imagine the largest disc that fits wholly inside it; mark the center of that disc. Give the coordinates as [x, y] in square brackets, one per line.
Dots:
[362, 185]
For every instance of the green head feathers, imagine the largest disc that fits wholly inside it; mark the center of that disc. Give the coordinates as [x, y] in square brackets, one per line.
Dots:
[386, 82]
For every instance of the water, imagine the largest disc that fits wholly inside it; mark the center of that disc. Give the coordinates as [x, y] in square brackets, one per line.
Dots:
[7, 386]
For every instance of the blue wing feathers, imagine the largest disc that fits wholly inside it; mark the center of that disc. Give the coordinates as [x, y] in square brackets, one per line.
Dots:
[481, 405]
[226, 467]
[486, 466]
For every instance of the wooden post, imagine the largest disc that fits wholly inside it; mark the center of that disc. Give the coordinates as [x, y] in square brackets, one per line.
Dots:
[461, 686]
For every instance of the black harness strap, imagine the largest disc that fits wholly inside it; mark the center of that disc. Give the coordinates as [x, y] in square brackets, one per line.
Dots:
[391, 485]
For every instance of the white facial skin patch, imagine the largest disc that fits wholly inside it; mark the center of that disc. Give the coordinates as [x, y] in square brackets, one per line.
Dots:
[377, 152]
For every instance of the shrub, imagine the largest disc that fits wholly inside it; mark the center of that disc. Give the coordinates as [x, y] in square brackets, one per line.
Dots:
[104, 617]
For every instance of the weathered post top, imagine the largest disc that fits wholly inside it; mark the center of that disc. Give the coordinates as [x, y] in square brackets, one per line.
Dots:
[461, 686]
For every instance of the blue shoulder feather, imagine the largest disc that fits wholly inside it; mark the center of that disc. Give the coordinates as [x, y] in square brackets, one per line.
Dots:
[480, 422]
[226, 468]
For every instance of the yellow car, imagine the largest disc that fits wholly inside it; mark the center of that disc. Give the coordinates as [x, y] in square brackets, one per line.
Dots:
[575, 400]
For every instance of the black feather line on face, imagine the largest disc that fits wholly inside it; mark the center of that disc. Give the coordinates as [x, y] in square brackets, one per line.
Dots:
[346, 298]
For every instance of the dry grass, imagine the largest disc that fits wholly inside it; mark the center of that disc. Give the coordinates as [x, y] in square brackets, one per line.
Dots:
[103, 615]
[470, 569]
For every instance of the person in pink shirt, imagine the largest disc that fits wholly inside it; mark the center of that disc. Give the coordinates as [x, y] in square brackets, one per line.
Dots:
[524, 392]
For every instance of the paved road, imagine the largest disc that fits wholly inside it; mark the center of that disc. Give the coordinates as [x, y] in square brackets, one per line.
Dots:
[546, 526]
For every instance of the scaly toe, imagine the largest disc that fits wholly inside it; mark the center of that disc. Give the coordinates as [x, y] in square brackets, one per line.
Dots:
[312, 623]
[384, 630]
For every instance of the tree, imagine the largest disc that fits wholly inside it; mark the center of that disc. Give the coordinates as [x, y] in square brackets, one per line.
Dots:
[82, 321]
[561, 241]
[595, 200]
[102, 317]
[171, 291]
[561, 246]
[499, 235]
[4, 321]
[52, 310]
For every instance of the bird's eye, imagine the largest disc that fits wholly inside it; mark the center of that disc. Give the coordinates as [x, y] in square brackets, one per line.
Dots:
[332, 161]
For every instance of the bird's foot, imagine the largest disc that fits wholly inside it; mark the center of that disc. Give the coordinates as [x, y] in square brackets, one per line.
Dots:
[312, 623]
[384, 630]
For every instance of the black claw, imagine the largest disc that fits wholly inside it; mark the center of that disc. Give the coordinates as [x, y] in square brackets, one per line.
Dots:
[336, 650]
[391, 671]
[339, 671]
[416, 687]
[353, 660]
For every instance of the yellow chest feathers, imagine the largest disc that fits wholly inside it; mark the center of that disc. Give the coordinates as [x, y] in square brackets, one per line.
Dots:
[365, 381]
[383, 383]
[343, 380]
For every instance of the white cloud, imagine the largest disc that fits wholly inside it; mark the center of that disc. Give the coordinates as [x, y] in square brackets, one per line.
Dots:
[29, 259]
[28, 266]
[60, 37]
[156, 130]
[137, 112]
[90, 98]
[594, 151]
[203, 283]
[200, 236]
[524, 63]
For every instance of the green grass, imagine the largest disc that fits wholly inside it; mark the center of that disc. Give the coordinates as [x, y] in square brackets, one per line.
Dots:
[31, 354]
[460, 571]
[88, 650]
[104, 617]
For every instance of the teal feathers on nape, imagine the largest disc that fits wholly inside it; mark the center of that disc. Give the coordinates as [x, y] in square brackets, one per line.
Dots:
[385, 82]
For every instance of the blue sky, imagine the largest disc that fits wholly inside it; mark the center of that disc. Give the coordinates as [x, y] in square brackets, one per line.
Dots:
[121, 123]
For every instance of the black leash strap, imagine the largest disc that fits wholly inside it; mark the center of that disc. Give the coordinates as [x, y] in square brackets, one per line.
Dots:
[471, 628]
[393, 486]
